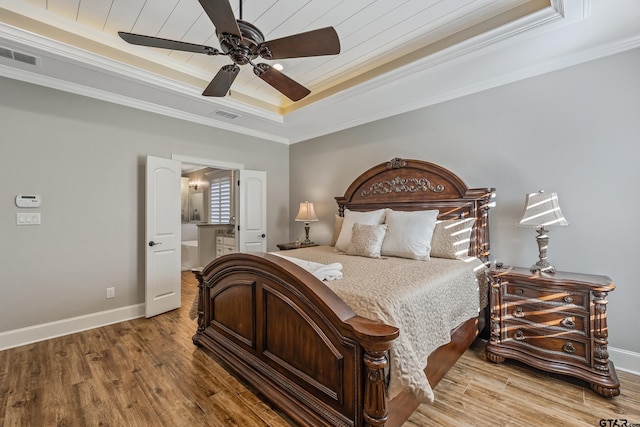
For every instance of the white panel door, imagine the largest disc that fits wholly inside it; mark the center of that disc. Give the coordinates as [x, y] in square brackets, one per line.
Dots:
[162, 237]
[252, 217]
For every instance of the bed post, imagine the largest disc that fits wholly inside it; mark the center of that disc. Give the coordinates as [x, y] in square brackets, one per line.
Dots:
[376, 342]
[201, 298]
[376, 408]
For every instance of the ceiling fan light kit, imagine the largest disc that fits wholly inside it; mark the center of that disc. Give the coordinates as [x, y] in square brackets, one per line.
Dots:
[243, 42]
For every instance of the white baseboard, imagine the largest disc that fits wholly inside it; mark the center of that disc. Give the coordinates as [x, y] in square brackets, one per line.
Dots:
[45, 331]
[625, 360]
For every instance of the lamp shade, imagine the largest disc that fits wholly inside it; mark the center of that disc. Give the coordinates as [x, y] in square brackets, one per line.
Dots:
[306, 212]
[542, 210]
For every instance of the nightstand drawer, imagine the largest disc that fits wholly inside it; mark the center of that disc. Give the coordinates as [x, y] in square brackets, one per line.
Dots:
[520, 290]
[545, 341]
[556, 317]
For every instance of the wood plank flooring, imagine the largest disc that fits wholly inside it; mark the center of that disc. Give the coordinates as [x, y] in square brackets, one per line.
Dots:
[147, 372]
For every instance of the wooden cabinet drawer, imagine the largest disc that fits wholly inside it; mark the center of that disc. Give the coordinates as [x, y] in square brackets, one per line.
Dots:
[557, 317]
[546, 341]
[519, 290]
[225, 245]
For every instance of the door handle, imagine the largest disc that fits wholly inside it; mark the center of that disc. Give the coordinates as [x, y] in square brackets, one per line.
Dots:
[152, 243]
[262, 235]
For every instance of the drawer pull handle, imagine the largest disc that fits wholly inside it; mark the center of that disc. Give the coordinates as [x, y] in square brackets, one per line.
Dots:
[568, 299]
[568, 322]
[519, 291]
[519, 335]
[518, 312]
[569, 348]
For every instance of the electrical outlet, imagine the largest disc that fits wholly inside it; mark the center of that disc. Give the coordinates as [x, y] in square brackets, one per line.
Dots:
[111, 293]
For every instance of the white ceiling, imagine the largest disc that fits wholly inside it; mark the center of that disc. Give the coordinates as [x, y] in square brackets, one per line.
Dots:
[396, 55]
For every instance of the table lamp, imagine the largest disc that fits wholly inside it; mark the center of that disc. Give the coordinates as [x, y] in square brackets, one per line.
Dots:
[306, 214]
[542, 210]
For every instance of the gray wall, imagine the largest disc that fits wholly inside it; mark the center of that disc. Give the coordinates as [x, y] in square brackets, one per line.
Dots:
[573, 131]
[86, 159]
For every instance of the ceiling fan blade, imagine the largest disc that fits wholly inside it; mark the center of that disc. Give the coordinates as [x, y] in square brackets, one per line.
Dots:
[288, 87]
[221, 14]
[141, 40]
[221, 83]
[320, 42]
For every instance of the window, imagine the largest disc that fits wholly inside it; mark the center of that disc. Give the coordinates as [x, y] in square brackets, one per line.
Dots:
[220, 185]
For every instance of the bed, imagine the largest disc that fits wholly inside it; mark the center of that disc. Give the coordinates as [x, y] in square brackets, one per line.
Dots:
[301, 346]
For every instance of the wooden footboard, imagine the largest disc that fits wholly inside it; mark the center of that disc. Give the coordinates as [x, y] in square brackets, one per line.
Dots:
[288, 335]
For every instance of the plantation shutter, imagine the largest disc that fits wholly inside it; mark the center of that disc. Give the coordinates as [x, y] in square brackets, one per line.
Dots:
[220, 186]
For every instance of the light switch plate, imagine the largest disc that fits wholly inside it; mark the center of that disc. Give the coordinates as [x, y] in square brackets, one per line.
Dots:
[31, 218]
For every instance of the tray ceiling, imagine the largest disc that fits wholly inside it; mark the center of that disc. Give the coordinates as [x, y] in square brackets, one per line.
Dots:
[380, 41]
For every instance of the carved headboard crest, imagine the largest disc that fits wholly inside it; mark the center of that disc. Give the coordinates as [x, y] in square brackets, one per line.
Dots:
[398, 185]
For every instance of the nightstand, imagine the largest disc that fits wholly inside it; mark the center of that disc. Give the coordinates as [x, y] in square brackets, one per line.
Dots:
[554, 322]
[294, 245]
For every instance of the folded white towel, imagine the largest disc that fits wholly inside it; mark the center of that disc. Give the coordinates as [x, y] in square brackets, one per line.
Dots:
[321, 271]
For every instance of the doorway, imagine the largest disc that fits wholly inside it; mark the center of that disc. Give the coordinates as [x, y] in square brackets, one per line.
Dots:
[163, 284]
[190, 222]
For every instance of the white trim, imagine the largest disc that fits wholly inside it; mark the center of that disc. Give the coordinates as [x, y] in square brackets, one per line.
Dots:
[67, 86]
[380, 84]
[73, 56]
[45, 331]
[321, 118]
[207, 162]
[625, 360]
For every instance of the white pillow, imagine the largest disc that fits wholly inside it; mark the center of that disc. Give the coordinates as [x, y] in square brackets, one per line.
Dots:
[350, 218]
[366, 240]
[451, 238]
[409, 234]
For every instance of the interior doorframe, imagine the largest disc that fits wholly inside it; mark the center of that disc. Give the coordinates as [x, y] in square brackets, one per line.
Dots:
[207, 162]
[202, 161]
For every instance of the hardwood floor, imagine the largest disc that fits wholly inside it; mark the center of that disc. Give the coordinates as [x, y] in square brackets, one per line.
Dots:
[147, 372]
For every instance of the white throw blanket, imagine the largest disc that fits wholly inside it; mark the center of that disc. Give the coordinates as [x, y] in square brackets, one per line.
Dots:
[331, 271]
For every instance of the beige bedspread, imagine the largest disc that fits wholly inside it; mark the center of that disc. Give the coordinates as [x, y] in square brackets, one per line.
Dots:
[424, 299]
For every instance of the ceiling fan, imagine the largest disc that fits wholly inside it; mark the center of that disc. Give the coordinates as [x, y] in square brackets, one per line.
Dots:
[243, 42]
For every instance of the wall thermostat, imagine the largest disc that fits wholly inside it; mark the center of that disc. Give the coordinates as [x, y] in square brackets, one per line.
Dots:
[28, 200]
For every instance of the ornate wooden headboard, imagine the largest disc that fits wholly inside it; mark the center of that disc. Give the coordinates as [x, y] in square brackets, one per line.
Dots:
[411, 185]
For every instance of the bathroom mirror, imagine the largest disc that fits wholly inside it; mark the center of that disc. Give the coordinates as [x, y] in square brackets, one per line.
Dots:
[196, 207]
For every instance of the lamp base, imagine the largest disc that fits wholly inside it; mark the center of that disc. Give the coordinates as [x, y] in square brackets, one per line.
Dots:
[306, 241]
[542, 265]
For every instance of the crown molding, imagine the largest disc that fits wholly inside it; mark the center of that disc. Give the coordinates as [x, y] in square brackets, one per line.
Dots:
[66, 86]
[45, 47]
[351, 107]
